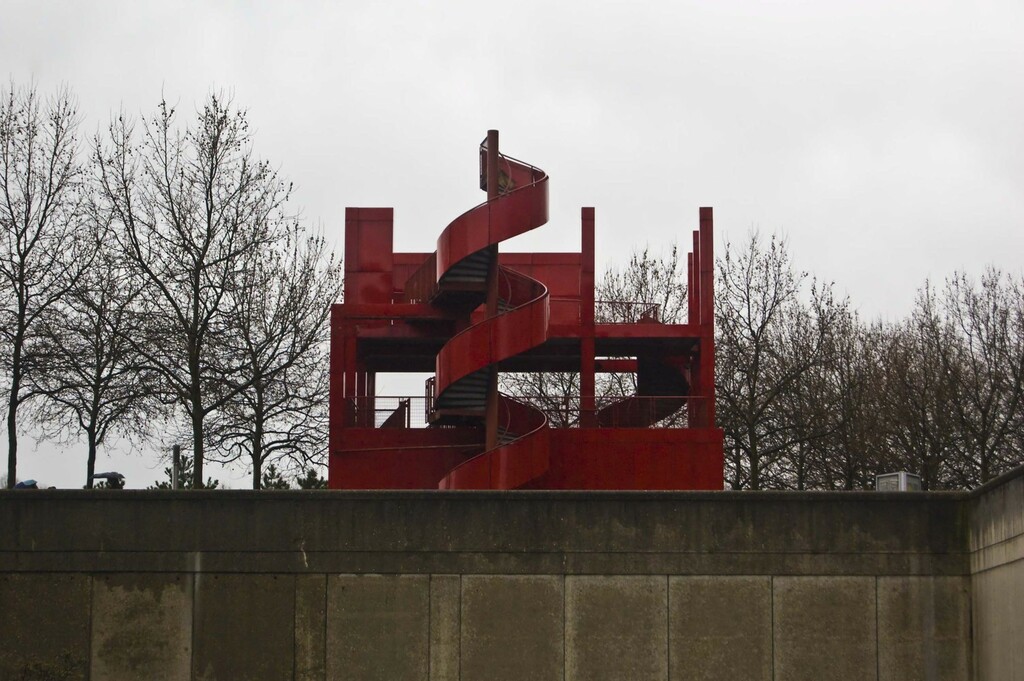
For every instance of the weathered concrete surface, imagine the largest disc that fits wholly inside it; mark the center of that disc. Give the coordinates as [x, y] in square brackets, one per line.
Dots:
[616, 628]
[924, 628]
[445, 627]
[378, 627]
[824, 628]
[997, 579]
[998, 598]
[244, 627]
[141, 627]
[317, 586]
[44, 626]
[574, 533]
[720, 628]
[512, 627]
[310, 627]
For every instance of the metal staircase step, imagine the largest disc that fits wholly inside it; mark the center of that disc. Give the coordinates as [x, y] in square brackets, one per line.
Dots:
[467, 393]
[471, 269]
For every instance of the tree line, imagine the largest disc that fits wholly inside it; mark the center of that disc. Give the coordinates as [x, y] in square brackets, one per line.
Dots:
[811, 395]
[156, 286]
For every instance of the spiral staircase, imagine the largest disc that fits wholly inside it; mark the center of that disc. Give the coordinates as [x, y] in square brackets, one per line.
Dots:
[467, 364]
[467, 313]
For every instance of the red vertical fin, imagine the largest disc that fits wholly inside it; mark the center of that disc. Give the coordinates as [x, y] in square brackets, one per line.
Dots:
[588, 418]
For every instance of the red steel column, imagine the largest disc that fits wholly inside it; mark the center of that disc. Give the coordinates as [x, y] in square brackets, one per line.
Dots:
[707, 314]
[694, 407]
[588, 416]
[336, 401]
[491, 419]
[692, 311]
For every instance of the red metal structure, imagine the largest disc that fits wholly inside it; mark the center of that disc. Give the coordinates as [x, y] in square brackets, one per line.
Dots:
[466, 312]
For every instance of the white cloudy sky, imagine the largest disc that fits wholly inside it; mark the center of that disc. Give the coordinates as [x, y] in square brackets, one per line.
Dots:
[885, 139]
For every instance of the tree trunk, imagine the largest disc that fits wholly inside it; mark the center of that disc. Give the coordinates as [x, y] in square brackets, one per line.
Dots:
[737, 465]
[257, 443]
[257, 462]
[90, 464]
[12, 407]
[197, 445]
[755, 462]
[12, 436]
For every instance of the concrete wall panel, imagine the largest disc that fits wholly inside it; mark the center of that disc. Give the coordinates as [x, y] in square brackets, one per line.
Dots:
[616, 628]
[998, 598]
[824, 628]
[142, 627]
[44, 626]
[310, 627]
[512, 628]
[860, 584]
[445, 623]
[997, 581]
[244, 627]
[924, 628]
[378, 627]
[720, 628]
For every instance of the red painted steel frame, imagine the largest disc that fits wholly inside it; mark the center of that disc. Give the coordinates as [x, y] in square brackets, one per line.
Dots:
[467, 311]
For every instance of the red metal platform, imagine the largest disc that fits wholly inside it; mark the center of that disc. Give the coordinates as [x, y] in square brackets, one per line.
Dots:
[466, 312]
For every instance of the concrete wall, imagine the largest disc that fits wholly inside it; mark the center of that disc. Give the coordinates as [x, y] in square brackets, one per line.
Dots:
[997, 577]
[537, 585]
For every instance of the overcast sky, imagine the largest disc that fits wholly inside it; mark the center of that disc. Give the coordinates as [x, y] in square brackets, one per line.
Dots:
[884, 139]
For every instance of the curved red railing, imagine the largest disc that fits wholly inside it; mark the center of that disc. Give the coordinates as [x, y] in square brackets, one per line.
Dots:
[481, 346]
[662, 386]
[465, 364]
[464, 247]
[511, 465]
[522, 207]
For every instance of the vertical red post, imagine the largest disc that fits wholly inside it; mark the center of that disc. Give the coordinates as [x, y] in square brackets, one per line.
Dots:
[707, 314]
[696, 278]
[491, 417]
[588, 415]
[336, 414]
[694, 410]
[691, 292]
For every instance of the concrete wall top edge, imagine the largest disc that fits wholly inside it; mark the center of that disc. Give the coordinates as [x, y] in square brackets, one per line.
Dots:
[724, 496]
[508, 522]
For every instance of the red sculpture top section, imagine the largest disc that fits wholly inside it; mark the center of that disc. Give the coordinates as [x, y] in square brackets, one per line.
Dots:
[466, 312]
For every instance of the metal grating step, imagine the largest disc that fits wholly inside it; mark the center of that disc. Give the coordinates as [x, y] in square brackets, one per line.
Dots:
[468, 392]
[471, 269]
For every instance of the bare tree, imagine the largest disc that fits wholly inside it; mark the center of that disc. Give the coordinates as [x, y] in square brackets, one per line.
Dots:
[853, 444]
[40, 181]
[190, 206]
[768, 339]
[647, 282]
[94, 382]
[280, 330]
[556, 393]
[916, 395]
[984, 325]
[806, 412]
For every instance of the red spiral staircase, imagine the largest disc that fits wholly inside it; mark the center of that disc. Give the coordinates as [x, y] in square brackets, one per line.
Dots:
[466, 312]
